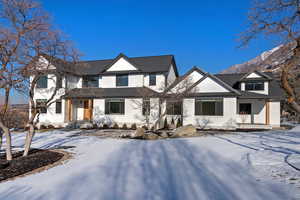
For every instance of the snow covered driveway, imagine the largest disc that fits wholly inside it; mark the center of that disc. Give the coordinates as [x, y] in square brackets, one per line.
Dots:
[236, 166]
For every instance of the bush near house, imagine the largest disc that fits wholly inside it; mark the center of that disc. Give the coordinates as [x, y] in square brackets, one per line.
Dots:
[133, 126]
[166, 125]
[124, 127]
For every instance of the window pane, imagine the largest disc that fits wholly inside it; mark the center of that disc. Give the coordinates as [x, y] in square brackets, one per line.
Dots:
[174, 108]
[41, 105]
[114, 106]
[208, 108]
[245, 108]
[90, 81]
[58, 81]
[152, 79]
[58, 107]
[42, 82]
[122, 80]
[254, 86]
[146, 107]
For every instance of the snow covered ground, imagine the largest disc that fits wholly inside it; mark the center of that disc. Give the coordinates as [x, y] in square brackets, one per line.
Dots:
[262, 165]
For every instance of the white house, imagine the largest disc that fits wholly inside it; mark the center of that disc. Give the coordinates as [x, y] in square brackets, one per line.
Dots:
[140, 89]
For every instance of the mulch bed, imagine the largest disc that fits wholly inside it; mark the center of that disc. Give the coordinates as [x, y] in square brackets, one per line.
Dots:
[37, 158]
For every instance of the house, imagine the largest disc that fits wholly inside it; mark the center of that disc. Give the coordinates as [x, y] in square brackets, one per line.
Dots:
[142, 90]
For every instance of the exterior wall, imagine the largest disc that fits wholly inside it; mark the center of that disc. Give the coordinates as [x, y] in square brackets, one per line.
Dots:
[122, 65]
[275, 113]
[45, 93]
[160, 82]
[188, 81]
[134, 80]
[171, 75]
[258, 109]
[227, 121]
[209, 85]
[133, 113]
[253, 75]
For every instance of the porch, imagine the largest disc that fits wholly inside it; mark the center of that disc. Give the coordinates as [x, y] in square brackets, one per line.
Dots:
[78, 109]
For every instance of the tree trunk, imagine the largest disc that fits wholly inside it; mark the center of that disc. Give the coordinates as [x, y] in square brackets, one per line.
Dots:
[28, 139]
[1, 134]
[8, 141]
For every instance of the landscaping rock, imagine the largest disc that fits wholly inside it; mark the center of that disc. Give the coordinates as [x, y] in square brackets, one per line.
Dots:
[150, 136]
[188, 130]
[163, 134]
[4, 164]
[139, 133]
[86, 125]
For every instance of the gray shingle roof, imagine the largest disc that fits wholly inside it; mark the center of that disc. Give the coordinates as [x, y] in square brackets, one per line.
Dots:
[147, 64]
[110, 92]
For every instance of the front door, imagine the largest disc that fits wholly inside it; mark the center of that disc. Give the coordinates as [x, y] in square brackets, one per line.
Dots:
[88, 109]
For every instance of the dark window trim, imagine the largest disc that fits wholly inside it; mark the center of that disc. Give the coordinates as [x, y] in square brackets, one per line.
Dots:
[247, 113]
[59, 80]
[90, 81]
[146, 102]
[41, 106]
[58, 111]
[152, 79]
[107, 106]
[170, 106]
[208, 100]
[40, 84]
[254, 86]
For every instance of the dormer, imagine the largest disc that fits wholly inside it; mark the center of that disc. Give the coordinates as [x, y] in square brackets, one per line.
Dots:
[256, 81]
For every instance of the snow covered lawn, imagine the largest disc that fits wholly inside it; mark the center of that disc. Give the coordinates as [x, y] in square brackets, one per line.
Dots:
[261, 165]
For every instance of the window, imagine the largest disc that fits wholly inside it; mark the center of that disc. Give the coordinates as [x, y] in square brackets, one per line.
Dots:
[209, 107]
[90, 81]
[254, 86]
[42, 82]
[245, 108]
[58, 107]
[114, 106]
[174, 108]
[152, 79]
[41, 105]
[122, 80]
[146, 106]
[58, 81]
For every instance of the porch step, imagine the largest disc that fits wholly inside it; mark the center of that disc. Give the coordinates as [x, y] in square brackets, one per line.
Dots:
[254, 126]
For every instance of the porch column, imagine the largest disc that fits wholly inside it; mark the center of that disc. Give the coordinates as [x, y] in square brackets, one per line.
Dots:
[68, 113]
[267, 112]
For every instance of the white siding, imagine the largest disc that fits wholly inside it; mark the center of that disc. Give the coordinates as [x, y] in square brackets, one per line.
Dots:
[275, 113]
[227, 121]
[160, 82]
[253, 75]
[122, 65]
[171, 75]
[209, 85]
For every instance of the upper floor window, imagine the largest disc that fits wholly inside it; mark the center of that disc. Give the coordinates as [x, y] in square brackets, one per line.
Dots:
[90, 81]
[209, 107]
[122, 80]
[42, 82]
[254, 86]
[152, 79]
[174, 107]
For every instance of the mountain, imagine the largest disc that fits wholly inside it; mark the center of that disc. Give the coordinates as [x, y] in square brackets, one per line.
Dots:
[267, 61]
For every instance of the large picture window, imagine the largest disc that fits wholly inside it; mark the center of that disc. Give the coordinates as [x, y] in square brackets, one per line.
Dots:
[122, 80]
[41, 105]
[245, 108]
[114, 106]
[174, 108]
[254, 86]
[90, 81]
[42, 82]
[209, 107]
[146, 106]
[152, 79]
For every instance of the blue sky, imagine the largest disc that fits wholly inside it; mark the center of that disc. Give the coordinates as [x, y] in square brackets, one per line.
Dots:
[201, 33]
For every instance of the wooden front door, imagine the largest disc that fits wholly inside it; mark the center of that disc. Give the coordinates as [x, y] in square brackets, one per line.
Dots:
[88, 109]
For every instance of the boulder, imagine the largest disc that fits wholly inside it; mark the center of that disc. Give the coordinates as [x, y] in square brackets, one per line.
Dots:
[86, 125]
[150, 136]
[183, 131]
[139, 133]
[163, 134]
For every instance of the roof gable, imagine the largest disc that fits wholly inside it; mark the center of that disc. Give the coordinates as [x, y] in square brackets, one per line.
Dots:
[121, 63]
[256, 75]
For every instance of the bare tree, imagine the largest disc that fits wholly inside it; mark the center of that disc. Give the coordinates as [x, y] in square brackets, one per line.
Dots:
[279, 19]
[29, 46]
